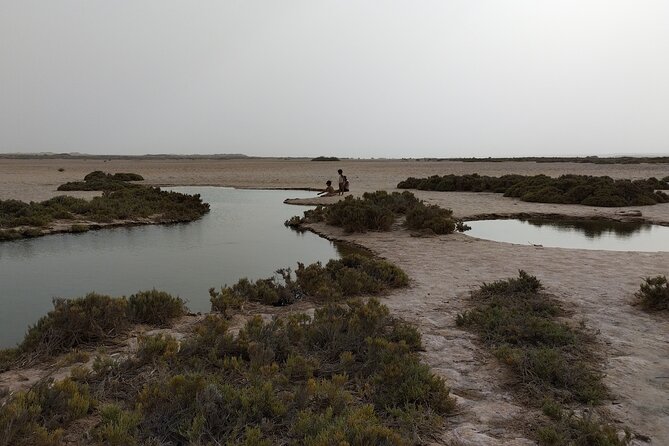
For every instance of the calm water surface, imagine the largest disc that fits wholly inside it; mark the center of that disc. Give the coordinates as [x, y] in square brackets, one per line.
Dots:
[592, 234]
[242, 236]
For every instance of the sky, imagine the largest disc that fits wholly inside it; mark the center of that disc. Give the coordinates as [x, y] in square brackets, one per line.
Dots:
[347, 78]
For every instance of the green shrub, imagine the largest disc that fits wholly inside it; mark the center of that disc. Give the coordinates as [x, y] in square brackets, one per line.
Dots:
[358, 215]
[654, 293]
[325, 158]
[225, 301]
[524, 283]
[438, 220]
[571, 189]
[38, 416]
[349, 276]
[550, 357]
[349, 374]
[566, 429]
[262, 384]
[130, 203]
[552, 360]
[155, 307]
[7, 358]
[117, 427]
[157, 347]
[377, 211]
[100, 181]
[75, 322]
[94, 318]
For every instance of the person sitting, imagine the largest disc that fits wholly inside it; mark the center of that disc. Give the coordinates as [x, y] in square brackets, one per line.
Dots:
[329, 190]
[343, 187]
[342, 181]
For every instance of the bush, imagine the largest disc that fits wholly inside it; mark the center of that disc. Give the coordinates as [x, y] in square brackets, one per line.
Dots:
[567, 189]
[100, 181]
[359, 215]
[566, 428]
[520, 325]
[349, 276]
[124, 204]
[325, 158]
[95, 318]
[75, 322]
[38, 416]
[117, 427]
[654, 293]
[263, 384]
[155, 307]
[552, 360]
[349, 374]
[432, 217]
[377, 211]
[524, 283]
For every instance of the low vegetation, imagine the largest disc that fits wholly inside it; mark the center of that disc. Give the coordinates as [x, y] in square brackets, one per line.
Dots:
[349, 276]
[349, 375]
[552, 360]
[91, 319]
[567, 189]
[377, 211]
[325, 158]
[574, 159]
[19, 219]
[40, 415]
[653, 294]
[100, 181]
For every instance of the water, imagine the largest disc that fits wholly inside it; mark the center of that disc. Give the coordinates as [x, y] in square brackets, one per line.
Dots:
[580, 234]
[242, 236]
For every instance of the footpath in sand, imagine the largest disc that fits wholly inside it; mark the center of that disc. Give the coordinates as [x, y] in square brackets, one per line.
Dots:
[597, 286]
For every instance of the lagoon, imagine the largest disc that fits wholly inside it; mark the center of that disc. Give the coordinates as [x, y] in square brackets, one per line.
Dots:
[242, 236]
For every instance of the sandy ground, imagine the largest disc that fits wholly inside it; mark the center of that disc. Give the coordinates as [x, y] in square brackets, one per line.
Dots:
[597, 285]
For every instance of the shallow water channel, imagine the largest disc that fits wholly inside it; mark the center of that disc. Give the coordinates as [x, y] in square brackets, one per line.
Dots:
[577, 234]
[242, 236]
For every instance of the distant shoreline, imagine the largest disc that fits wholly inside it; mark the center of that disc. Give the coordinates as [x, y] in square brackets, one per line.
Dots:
[593, 159]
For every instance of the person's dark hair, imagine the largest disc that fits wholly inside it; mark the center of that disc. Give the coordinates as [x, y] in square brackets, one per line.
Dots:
[328, 182]
[340, 171]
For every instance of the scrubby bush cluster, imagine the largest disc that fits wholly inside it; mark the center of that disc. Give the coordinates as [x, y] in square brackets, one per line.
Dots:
[552, 360]
[100, 181]
[567, 189]
[351, 375]
[325, 158]
[349, 276]
[521, 325]
[574, 159]
[130, 203]
[91, 319]
[40, 415]
[377, 211]
[653, 294]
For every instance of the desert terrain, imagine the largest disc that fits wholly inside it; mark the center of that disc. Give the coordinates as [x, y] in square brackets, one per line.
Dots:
[598, 286]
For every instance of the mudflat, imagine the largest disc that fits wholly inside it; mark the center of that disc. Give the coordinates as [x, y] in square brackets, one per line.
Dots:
[598, 286]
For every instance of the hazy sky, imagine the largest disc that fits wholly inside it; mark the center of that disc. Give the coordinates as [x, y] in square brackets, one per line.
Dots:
[358, 78]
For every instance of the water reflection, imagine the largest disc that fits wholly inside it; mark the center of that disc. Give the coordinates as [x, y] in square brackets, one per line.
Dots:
[594, 228]
[601, 235]
[242, 236]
